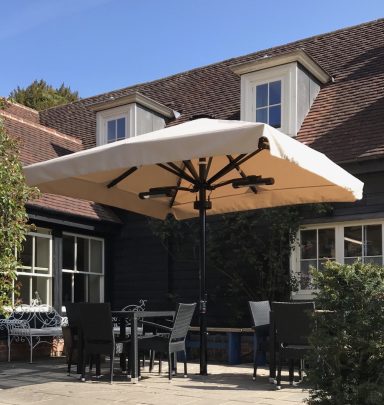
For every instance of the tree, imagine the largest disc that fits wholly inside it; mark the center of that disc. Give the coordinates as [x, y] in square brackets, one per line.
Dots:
[39, 95]
[14, 194]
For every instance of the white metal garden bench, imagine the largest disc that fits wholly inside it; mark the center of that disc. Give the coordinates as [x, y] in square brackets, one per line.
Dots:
[33, 324]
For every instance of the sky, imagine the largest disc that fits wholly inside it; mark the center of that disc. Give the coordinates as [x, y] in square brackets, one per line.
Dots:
[95, 46]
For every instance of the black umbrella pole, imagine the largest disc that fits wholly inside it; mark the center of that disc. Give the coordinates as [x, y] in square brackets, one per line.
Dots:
[202, 203]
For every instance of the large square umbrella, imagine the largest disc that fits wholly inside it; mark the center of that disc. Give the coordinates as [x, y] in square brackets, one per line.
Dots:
[198, 168]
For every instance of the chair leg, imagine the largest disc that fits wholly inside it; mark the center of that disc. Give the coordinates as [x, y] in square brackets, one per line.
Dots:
[70, 354]
[169, 366]
[151, 360]
[291, 370]
[84, 359]
[160, 359]
[111, 361]
[301, 368]
[30, 349]
[255, 352]
[9, 348]
[185, 365]
[278, 379]
[174, 364]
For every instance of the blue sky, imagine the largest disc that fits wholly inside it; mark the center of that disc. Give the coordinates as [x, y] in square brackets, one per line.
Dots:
[99, 45]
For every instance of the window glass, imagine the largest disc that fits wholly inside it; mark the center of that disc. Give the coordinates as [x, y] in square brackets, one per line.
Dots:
[275, 116]
[94, 289]
[262, 115]
[82, 254]
[42, 255]
[40, 289]
[268, 103]
[327, 243]
[96, 256]
[373, 242]
[111, 131]
[308, 244]
[68, 252]
[262, 95]
[26, 253]
[79, 288]
[120, 131]
[67, 288]
[353, 242]
[25, 289]
[275, 92]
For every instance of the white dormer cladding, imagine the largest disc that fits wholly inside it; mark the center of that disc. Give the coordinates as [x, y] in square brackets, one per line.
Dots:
[280, 90]
[128, 116]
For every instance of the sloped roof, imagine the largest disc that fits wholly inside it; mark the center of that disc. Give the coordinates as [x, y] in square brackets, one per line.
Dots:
[345, 122]
[40, 143]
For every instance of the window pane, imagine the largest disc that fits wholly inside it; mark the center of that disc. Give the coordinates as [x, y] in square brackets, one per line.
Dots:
[96, 256]
[275, 92]
[40, 290]
[275, 116]
[262, 95]
[68, 252]
[373, 240]
[121, 128]
[352, 241]
[262, 115]
[24, 283]
[111, 131]
[82, 254]
[42, 254]
[308, 244]
[305, 277]
[374, 260]
[67, 288]
[94, 288]
[80, 284]
[26, 253]
[351, 260]
[326, 243]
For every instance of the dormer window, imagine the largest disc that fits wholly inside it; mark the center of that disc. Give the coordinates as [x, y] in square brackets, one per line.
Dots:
[128, 116]
[116, 129]
[279, 90]
[268, 103]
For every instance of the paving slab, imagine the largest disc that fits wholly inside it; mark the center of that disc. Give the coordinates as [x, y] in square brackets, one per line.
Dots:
[46, 383]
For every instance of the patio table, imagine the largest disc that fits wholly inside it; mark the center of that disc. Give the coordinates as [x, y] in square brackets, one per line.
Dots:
[133, 316]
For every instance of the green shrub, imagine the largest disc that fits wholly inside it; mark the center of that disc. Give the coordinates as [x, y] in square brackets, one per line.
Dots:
[347, 363]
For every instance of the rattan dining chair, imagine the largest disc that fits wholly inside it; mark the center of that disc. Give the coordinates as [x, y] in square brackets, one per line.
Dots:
[260, 311]
[173, 341]
[293, 323]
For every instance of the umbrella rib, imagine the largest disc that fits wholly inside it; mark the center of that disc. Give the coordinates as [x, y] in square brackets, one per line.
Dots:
[242, 174]
[209, 165]
[178, 172]
[177, 190]
[226, 169]
[123, 176]
[191, 169]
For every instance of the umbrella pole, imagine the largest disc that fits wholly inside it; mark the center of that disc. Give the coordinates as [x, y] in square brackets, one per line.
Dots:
[202, 206]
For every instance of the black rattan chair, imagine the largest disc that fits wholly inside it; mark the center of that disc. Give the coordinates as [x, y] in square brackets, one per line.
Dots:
[72, 337]
[293, 323]
[96, 333]
[173, 341]
[260, 315]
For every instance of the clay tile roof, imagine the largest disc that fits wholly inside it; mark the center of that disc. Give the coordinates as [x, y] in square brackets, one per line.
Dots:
[345, 121]
[40, 143]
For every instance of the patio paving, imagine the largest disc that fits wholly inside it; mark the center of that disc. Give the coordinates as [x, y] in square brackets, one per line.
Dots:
[45, 382]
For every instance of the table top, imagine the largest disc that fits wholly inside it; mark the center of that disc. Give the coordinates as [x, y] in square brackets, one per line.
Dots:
[143, 314]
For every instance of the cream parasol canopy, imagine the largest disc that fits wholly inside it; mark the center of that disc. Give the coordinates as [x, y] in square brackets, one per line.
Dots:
[202, 167]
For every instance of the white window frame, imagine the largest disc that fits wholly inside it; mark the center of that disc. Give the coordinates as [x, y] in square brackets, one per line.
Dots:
[339, 248]
[31, 273]
[102, 117]
[287, 74]
[75, 271]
